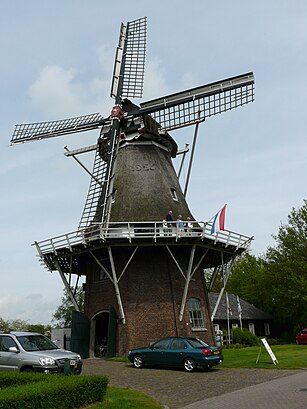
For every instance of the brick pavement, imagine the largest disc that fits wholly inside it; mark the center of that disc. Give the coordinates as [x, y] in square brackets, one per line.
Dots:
[176, 389]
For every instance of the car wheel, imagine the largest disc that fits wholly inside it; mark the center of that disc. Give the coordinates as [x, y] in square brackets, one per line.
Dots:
[189, 365]
[297, 342]
[138, 361]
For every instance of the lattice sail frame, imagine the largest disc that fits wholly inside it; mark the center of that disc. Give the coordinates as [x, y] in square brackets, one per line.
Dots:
[134, 68]
[92, 210]
[195, 105]
[128, 79]
[129, 66]
[42, 130]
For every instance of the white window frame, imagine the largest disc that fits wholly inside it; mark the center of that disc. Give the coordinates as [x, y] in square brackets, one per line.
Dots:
[196, 315]
[251, 328]
[267, 330]
[174, 195]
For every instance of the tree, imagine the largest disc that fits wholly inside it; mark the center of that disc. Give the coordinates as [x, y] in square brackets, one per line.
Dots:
[249, 279]
[63, 313]
[13, 325]
[287, 264]
[277, 282]
[20, 325]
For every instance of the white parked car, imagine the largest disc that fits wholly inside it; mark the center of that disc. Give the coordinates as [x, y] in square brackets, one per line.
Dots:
[33, 352]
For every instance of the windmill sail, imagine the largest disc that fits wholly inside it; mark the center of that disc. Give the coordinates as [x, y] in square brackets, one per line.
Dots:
[91, 209]
[43, 130]
[128, 78]
[129, 66]
[196, 104]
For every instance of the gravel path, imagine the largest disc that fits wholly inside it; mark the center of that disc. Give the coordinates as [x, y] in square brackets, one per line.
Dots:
[175, 388]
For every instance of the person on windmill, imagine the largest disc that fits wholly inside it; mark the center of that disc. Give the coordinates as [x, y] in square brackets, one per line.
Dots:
[169, 219]
[179, 225]
[165, 227]
[188, 226]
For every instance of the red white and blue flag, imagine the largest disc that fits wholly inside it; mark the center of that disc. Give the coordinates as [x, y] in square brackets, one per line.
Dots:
[219, 221]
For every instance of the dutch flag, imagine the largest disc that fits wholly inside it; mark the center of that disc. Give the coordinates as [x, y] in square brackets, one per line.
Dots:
[219, 221]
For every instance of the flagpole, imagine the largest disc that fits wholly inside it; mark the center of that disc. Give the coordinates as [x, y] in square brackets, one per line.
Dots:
[239, 311]
[228, 326]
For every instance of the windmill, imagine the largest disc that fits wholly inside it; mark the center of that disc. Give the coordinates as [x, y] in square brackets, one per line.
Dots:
[139, 273]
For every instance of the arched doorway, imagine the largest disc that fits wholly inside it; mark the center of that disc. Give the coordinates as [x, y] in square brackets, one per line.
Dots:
[103, 334]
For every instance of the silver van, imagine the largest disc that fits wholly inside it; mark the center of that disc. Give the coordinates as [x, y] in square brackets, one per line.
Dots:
[33, 352]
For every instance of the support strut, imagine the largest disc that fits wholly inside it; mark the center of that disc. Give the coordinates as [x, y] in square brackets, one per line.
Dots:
[187, 283]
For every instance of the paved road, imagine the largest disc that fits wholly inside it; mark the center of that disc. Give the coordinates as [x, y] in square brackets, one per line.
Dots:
[289, 392]
[176, 389]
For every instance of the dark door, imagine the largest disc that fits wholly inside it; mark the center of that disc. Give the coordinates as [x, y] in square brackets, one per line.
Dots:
[80, 334]
[101, 334]
[112, 331]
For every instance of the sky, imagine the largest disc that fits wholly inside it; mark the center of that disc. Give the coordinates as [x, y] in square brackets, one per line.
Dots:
[57, 62]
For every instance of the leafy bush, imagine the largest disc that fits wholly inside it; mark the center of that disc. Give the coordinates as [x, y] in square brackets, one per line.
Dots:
[273, 341]
[244, 337]
[233, 346]
[49, 392]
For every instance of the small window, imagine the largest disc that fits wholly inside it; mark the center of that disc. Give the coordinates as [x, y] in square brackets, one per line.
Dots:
[196, 315]
[102, 275]
[251, 328]
[113, 196]
[6, 343]
[162, 344]
[267, 329]
[174, 195]
[178, 344]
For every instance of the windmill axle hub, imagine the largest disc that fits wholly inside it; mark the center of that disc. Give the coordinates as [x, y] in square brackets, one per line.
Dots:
[117, 113]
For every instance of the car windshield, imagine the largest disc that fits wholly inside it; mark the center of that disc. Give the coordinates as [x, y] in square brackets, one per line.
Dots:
[197, 343]
[36, 343]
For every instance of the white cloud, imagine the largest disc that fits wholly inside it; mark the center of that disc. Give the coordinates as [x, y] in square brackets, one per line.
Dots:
[57, 92]
[155, 84]
[54, 91]
[32, 308]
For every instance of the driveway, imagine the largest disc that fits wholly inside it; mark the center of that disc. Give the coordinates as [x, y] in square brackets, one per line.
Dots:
[175, 388]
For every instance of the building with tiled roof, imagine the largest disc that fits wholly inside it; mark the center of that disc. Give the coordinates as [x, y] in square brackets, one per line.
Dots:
[255, 320]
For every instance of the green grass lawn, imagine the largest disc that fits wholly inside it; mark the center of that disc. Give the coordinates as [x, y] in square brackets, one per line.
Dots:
[288, 357]
[119, 398]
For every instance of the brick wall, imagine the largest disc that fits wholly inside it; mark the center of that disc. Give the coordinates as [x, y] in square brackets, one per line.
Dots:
[151, 290]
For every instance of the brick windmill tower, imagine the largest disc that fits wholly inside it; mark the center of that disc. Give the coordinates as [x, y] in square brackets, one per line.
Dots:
[143, 279]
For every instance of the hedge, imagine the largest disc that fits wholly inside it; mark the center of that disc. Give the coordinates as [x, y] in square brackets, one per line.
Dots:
[244, 337]
[34, 391]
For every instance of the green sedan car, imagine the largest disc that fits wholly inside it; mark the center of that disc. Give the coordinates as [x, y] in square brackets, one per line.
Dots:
[177, 351]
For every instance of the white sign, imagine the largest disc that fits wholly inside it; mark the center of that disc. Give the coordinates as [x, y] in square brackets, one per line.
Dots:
[270, 352]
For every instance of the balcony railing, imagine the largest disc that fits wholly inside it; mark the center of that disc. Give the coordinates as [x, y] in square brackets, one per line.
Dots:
[151, 231]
